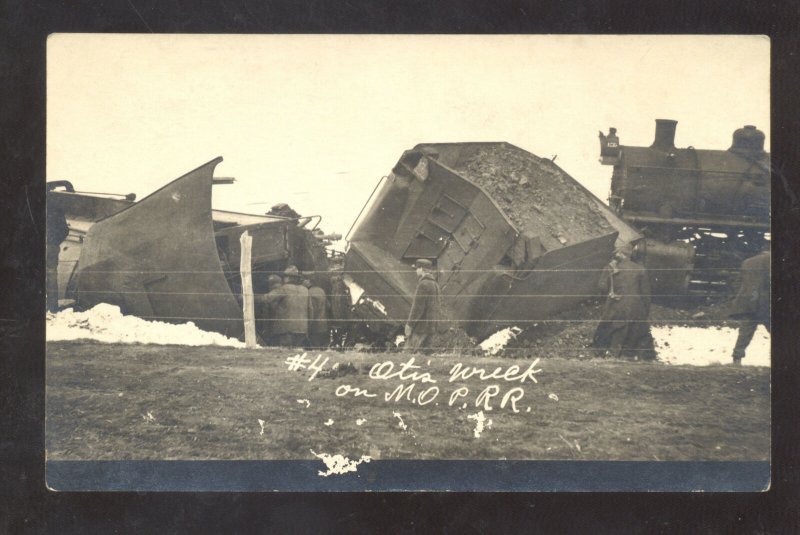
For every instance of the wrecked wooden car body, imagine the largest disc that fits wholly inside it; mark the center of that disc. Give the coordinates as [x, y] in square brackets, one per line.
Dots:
[170, 257]
[493, 272]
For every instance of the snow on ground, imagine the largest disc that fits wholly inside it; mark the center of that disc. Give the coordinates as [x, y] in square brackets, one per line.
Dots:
[496, 342]
[704, 346]
[697, 346]
[105, 323]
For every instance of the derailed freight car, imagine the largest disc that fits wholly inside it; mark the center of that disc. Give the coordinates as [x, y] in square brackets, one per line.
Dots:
[170, 257]
[514, 238]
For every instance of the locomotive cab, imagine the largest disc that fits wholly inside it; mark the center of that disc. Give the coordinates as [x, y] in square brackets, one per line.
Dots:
[609, 147]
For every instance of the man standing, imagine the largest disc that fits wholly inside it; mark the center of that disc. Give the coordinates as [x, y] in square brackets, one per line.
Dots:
[424, 316]
[624, 330]
[341, 303]
[289, 303]
[318, 334]
[56, 231]
[751, 304]
[266, 310]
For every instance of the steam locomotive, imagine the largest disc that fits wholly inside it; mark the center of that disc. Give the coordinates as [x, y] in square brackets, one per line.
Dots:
[701, 211]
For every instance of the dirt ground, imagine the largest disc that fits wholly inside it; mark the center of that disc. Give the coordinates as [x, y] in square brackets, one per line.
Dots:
[568, 334]
[135, 402]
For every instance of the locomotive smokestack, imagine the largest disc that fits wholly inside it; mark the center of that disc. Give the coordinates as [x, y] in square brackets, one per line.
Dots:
[665, 135]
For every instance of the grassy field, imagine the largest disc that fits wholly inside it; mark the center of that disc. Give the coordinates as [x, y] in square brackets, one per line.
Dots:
[136, 402]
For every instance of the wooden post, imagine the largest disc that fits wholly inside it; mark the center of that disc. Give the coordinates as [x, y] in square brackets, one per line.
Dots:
[245, 267]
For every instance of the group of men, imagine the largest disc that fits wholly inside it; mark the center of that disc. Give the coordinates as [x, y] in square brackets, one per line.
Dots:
[624, 328]
[293, 313]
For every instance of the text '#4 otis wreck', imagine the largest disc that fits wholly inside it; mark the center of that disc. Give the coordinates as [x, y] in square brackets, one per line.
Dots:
[411, 383]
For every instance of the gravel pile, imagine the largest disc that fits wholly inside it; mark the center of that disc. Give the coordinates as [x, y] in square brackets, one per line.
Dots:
[700, 336]
[456, 341]
[536, 195]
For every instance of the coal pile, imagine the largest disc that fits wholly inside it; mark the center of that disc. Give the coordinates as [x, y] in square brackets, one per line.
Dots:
[537, 196]
[565, 335]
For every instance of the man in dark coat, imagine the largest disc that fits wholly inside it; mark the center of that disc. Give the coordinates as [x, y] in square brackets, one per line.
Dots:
[56, 232]
[422, 321]
[751, 304]
[283, 210]
[289, 304]
[318, 334]
[266, 310]
[624, 330]
[341, 303]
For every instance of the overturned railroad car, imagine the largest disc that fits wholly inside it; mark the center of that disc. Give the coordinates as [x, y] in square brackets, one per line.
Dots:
[170, 257]
[513, 237]
[702, 211]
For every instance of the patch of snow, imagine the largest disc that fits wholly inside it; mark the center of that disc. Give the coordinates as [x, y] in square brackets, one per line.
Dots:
[496, 342]
[360, 421]
[261, 423]
[356, 291]
[106, 323]
[329, 422]
[339, 464]
[705, 346]
[304, 401]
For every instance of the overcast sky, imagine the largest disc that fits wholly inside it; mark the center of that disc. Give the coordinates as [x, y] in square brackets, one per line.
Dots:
[315, 121]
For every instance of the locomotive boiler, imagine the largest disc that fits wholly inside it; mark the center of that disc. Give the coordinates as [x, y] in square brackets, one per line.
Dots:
[701, 211]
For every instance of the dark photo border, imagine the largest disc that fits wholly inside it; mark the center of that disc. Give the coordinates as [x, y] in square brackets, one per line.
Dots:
[28, 506]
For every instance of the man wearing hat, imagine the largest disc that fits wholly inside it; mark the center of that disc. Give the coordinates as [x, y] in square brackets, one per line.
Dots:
[624, 329]
[283, 210]
[266, 309]
[318, 333]
[424, 316]
[340, 310]
[289, 305]
[751, 304]
[57, 231]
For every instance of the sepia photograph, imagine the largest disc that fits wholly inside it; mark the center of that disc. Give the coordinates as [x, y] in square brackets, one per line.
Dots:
[408, 262]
